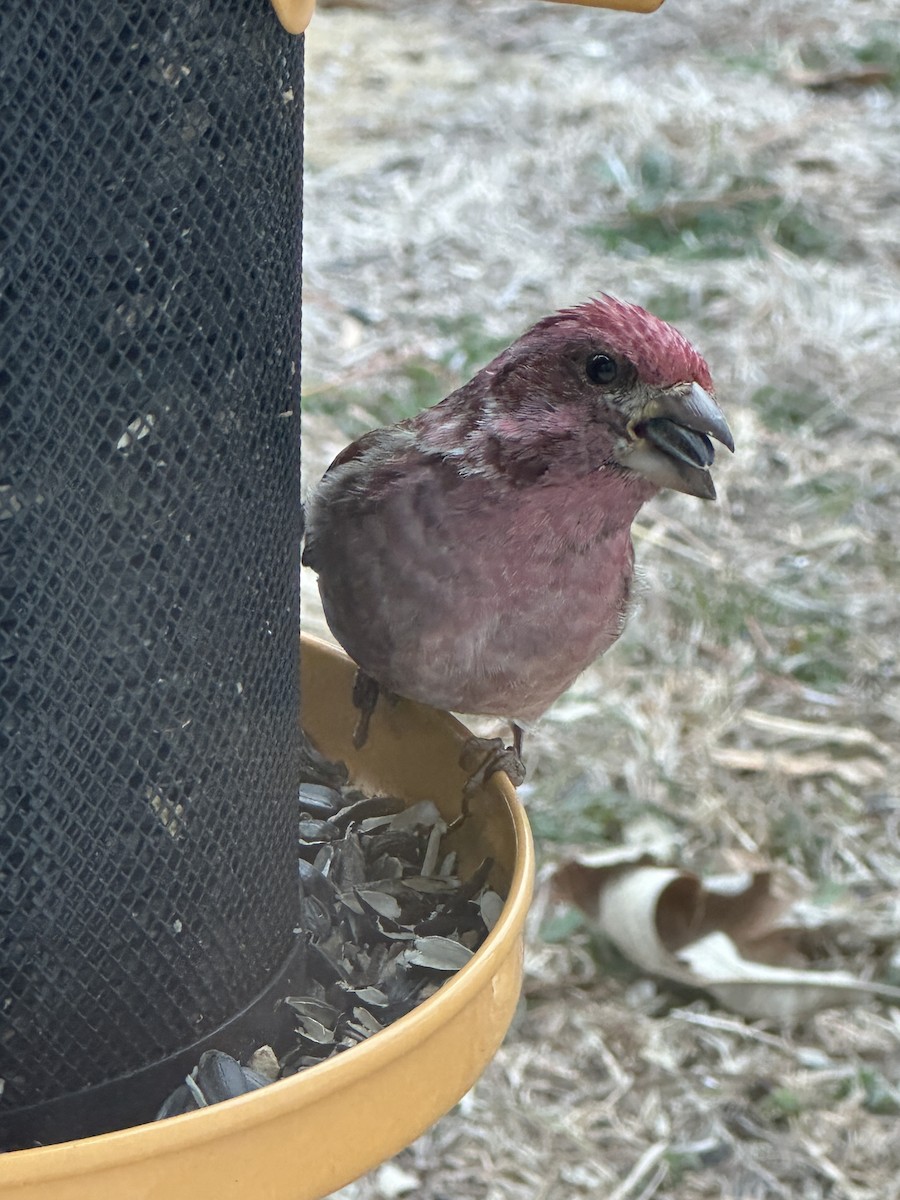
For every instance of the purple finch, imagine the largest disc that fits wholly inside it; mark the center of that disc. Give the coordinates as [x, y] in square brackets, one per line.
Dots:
[478, 556]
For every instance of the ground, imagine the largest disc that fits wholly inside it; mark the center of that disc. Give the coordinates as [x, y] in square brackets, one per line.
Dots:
[734, 167]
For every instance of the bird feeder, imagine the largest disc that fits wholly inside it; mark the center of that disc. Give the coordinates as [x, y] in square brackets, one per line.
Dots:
[149, 525]
[291, 1140]
[149, 534]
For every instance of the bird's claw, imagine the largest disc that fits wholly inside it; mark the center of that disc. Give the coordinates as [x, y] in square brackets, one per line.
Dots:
[480, 759]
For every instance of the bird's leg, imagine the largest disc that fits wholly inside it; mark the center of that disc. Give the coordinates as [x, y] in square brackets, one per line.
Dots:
[518, 741]
[365, 697]
[481, 757]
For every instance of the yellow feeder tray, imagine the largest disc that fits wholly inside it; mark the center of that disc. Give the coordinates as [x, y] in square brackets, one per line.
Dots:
[306, 1136]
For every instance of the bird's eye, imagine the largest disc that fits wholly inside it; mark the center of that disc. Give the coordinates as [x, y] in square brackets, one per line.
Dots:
[601, 368]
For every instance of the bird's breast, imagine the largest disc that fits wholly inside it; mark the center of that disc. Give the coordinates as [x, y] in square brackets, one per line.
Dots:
[478, 600]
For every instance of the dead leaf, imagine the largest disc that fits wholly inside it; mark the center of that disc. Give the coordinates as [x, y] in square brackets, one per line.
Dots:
[778, 993]
[724, 936]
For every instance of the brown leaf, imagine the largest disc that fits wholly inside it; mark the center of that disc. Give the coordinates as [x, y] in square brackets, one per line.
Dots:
[721, 936]
[778, 993]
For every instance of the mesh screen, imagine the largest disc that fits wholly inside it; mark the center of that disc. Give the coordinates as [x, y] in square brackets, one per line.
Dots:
[149, 528]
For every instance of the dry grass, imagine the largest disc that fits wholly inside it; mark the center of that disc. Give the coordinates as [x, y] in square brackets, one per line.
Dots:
[471, 167]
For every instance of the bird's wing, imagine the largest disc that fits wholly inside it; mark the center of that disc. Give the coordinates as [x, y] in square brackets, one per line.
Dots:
[356, 481]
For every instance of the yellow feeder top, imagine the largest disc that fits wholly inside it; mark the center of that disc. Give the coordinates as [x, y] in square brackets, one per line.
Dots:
[295, 14]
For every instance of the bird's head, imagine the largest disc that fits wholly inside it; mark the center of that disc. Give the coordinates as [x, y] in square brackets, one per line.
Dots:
[605, 383]
[653, 379]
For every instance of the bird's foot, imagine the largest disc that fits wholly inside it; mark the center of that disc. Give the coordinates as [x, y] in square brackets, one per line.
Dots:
[365, 697]
[480, 759]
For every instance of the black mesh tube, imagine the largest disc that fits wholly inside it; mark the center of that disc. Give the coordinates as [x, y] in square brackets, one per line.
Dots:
[149, 533]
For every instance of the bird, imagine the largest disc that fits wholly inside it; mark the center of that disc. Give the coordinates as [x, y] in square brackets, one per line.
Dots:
[477, 557]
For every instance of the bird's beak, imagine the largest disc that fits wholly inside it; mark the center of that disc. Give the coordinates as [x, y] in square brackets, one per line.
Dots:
[668, 443]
